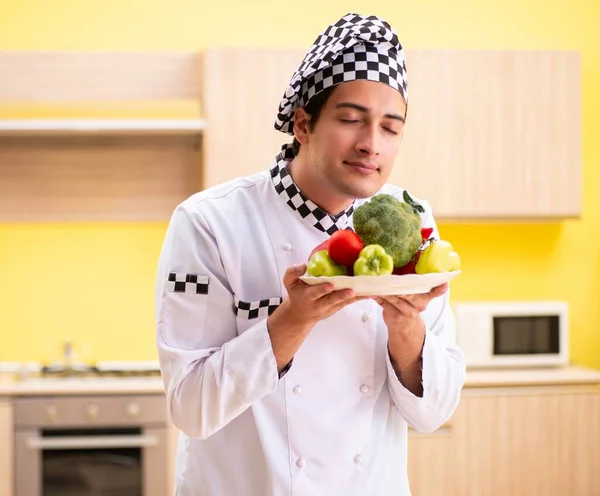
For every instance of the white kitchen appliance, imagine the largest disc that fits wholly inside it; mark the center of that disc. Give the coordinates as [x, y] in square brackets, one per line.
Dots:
[513, 333]
[91, 444]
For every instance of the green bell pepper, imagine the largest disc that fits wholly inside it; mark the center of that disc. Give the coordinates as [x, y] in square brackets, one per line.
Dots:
[373, 261]
[321, 264]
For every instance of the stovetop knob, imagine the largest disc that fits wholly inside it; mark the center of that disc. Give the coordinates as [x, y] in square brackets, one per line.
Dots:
[51, 413]
[133, 410]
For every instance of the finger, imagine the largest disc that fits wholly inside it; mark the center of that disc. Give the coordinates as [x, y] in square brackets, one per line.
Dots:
[419, 301]
[401, 305]
[336, 297]
[292, 275]
[318, 291]
[438, 290]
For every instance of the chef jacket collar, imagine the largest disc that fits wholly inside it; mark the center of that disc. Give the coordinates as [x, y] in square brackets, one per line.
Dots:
[298, 201]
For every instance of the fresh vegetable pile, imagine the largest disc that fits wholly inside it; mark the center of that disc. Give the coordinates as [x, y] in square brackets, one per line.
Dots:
[388, 239]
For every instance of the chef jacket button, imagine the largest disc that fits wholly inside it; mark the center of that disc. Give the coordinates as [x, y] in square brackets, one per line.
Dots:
[358, 459]
[364, 388]
[366, 316]
[287, 247]
[300, 462]
[297, 389]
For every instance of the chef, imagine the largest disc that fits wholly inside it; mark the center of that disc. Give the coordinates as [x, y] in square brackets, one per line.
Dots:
[280, 388]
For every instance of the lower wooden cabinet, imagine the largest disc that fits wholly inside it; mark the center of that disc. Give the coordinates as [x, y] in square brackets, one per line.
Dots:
[429, 456]
[513, 441]
[6, 448]
[502, 441]
[172, 457]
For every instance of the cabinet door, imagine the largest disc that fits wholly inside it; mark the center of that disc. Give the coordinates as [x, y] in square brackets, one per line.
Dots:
[430, 462]
[239, 138]
[6, 448]
[172, 440]
[493, 133]
[529, 441]
[489, 134]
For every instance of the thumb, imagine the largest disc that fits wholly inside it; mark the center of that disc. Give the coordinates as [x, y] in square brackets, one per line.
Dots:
[439, 290]
[293, 273]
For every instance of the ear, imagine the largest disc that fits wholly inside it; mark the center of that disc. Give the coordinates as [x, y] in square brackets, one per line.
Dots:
[301, 127]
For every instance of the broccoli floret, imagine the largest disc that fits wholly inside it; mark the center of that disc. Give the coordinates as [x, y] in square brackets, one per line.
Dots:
[395, 225]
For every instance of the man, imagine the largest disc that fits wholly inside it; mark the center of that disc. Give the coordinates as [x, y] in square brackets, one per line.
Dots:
[280, 388]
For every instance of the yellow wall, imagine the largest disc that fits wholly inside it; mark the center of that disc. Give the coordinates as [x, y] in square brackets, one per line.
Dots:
[94, 282]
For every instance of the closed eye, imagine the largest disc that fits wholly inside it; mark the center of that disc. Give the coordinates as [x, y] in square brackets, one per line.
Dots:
[349, 121]
[390, 131]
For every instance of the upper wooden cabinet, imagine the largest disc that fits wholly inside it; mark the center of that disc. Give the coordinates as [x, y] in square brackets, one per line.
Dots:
[494, 133]
[242, 89]
[98, 136]
[489, 135]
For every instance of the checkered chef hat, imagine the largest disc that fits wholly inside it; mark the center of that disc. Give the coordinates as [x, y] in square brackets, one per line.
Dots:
[354, 47]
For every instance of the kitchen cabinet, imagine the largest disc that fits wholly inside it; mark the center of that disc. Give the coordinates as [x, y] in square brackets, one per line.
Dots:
[489, 134]
[95, 178]
[494, 134]
[172, 439]
[429, 461]
[518, 440]
[542, 439]
[98, 136]
[6, 447]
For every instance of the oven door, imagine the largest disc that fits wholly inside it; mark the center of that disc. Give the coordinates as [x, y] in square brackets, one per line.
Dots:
[91, 462]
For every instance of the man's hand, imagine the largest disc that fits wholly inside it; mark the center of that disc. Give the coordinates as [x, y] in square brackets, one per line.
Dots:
[300, 311]
[406, 334]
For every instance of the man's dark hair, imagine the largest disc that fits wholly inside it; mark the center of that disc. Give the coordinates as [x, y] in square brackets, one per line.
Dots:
[313, 109]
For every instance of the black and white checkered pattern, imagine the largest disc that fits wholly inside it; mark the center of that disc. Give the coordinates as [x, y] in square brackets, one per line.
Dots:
[354, 47]
[256, 309]
[180, 282]
[298, 201]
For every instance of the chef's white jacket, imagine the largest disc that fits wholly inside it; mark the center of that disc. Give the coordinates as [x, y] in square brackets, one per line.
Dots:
[336, 423]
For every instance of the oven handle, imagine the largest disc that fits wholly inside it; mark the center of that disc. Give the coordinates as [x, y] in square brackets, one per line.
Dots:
[91, 442]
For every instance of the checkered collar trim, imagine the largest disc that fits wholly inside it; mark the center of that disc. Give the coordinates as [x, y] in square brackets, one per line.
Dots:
[354, 47]
[298, 201]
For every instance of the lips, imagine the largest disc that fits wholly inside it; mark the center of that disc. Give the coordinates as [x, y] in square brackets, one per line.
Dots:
[363, 167]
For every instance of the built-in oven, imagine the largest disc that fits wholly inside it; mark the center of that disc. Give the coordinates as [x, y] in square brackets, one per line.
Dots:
[91, 446]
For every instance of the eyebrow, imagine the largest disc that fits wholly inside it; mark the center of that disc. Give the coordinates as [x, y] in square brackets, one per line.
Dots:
[360, 108]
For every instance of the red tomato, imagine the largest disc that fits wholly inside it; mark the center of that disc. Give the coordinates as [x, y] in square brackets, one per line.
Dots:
[426, 232]
[344, 247]
[409, 268]
[322, 246]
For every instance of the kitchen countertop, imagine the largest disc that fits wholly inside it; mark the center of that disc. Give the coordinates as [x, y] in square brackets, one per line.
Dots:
[10, 386]
[559, 376]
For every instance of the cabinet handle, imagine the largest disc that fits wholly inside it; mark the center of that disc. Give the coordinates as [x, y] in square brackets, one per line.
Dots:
[91, 442]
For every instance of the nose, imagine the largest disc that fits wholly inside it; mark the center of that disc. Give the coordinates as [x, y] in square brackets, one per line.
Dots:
[368, 144]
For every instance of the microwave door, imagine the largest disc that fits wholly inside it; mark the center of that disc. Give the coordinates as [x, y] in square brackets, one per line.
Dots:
[511, 336]
[526, 336]
[543, 341]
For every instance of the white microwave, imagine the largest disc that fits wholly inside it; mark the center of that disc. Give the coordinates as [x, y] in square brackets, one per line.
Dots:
[513, 333]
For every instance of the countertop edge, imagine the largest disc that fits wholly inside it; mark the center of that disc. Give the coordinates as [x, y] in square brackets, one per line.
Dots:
[475, 379]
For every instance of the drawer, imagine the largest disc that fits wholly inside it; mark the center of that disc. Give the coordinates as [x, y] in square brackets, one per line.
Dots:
[90, 411]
